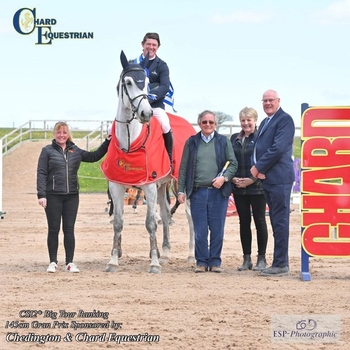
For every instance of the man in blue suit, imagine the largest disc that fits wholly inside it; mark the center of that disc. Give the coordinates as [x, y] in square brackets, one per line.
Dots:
[273, 164]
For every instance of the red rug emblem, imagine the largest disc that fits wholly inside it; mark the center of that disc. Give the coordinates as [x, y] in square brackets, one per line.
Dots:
[147, 161]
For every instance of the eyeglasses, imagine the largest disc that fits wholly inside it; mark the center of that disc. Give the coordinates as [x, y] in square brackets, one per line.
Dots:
[207, 122]
[269, 100]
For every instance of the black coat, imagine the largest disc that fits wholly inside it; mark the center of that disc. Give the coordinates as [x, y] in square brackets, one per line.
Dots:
[243, 152]
[159, 81]
[57, 171]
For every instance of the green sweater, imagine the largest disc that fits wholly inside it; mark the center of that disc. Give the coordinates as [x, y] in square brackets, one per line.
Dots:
[206, 168]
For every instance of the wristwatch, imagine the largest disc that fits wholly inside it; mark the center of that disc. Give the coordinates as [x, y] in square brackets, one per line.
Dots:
[226, 178]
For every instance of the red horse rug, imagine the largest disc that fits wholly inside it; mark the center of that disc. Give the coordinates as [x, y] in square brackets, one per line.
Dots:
[147, 160]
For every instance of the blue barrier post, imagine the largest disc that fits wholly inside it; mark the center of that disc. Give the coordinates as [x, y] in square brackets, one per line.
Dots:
[305, 270]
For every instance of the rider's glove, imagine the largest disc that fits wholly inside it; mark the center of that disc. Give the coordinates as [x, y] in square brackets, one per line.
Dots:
[152, 97]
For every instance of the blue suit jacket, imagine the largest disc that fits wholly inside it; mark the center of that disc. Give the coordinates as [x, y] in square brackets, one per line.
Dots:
[159, 81]
[274, 149]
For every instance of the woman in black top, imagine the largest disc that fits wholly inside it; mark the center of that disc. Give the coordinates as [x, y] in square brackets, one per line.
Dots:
[248, 192]
[58, 189]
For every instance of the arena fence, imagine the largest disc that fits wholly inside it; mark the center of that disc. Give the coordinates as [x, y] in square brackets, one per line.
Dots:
[1, 212]
[95, 132]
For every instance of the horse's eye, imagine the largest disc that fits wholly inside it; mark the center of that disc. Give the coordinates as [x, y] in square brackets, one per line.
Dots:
[128, 83]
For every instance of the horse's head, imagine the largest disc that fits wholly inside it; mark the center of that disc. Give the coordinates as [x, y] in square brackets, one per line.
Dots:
[132, 88]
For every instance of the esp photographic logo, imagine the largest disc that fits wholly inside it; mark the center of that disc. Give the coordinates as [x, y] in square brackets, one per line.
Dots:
[303, 328]
[25, 22]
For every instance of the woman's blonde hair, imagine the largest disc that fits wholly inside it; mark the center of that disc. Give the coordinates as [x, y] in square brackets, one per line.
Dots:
[248, 112]
[59, 125]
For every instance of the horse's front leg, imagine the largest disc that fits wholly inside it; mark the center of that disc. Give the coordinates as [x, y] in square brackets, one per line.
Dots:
[151, 226]
[164, 209]
[117, 195]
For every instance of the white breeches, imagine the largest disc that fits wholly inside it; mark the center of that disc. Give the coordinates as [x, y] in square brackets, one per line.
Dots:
[163, 119]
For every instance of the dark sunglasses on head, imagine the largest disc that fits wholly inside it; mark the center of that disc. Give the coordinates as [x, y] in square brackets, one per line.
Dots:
[208, 122]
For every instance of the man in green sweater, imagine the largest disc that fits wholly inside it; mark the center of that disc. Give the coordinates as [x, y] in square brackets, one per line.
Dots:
[207, 166]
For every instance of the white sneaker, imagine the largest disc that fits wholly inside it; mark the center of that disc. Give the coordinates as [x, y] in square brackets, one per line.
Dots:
[71, 267]
[52, 267]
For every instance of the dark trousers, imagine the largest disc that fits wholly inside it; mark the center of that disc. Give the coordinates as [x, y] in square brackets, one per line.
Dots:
[246, 205]
[65, 208]
[278, 200]
[208, 210]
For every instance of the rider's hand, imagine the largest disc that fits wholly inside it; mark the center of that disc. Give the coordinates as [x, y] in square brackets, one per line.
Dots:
[152, 97]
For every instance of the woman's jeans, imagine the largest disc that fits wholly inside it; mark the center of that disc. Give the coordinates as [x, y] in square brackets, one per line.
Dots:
[208, 209]
[65, 208]
[247, 205]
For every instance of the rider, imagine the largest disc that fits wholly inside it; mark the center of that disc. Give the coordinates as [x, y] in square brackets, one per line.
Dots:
[159, 84]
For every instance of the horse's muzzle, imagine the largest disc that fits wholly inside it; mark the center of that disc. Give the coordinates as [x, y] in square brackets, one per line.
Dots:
[146, 116]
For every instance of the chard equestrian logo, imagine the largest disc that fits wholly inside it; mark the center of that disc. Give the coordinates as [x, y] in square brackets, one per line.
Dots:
[25, 22]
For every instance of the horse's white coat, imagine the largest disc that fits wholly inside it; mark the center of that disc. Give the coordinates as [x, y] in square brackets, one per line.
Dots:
[133, 110]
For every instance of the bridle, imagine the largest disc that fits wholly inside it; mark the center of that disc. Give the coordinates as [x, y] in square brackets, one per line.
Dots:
[134, 108]
[124, 89]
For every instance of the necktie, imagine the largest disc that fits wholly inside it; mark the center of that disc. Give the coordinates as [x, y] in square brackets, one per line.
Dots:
[265, 125]
[267, 121]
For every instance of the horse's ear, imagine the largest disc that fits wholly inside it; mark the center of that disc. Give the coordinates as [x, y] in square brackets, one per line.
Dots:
[123, 60]
[145, 61]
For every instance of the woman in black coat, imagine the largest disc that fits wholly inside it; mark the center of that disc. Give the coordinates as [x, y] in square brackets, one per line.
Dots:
[248, 192]
[58, 189]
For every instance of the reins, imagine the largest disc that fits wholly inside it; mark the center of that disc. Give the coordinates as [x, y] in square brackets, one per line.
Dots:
[143, 143]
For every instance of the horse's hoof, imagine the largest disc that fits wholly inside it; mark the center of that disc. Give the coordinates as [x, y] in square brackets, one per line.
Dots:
[111, 268]
[154, 269]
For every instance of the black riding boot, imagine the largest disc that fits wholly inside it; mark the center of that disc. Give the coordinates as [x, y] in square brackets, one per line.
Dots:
[247, 263]
[169, 142]
[260, 264]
